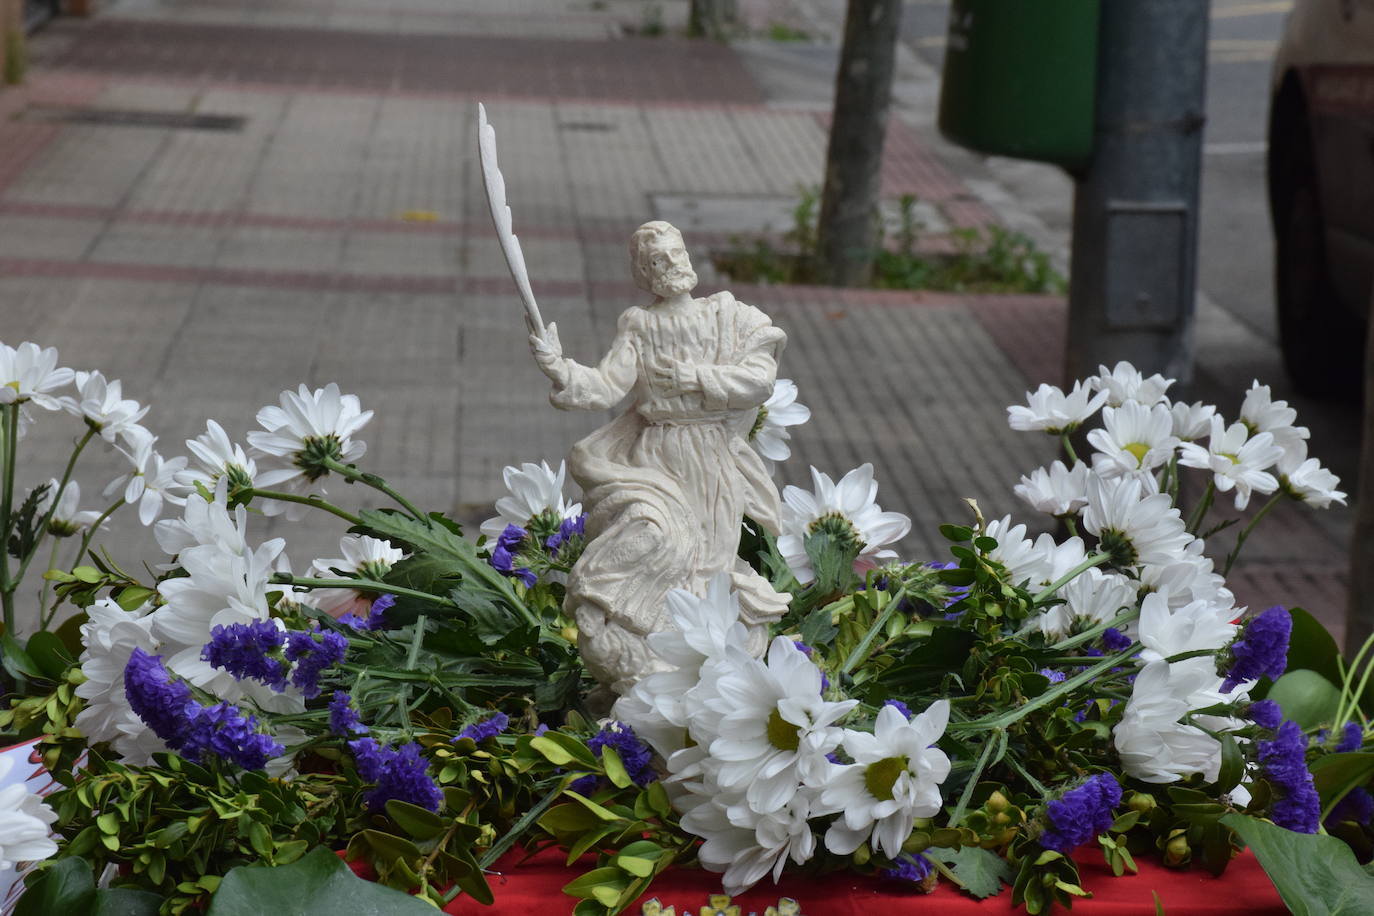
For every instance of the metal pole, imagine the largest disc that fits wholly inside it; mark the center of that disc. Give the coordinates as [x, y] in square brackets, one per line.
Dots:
[1135, 221]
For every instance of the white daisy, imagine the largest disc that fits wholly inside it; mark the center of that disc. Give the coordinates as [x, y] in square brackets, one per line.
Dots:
[1093, 597]
[1166, 632]
[152, 480]
[747, 845]
[68, 518]
[308, 427]
[363, 557]
[1056, 490]
[25, 823]
[1126, 383]
[1236, 459]
[30, 373]
[216, 456]
[895, 778]
[103, 406]
[1305, 479]
[1262, 414]
[847, 511]
[769, 433]
[1133, 438]
[1132, 523]
[1050, 410]
[536, 496]
[775, 728]
[1154, 745]
[1192, 421]
[1023, 558]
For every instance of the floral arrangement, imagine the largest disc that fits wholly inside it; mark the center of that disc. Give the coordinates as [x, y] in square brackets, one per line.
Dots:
[222, 731]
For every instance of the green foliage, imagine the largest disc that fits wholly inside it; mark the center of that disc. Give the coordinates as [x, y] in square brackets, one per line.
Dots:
[1316, 875]
[980, 872]
[1306, 697]
[318, 884]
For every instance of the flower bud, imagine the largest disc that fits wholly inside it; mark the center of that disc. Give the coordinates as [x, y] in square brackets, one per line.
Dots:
[1142, 802]
[1176, 852]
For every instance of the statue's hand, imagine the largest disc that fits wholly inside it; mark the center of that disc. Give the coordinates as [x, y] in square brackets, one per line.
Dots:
[548, 353]
[673, 377]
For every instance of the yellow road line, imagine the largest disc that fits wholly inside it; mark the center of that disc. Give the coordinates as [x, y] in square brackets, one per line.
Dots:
[1252, 9]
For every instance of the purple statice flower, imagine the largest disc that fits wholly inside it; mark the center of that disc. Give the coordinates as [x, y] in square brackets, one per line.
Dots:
[1081, 813]
[1356, 805]
[1260, 650]
[1265, 714]
[1283, 761]
[400, 774]
[376, 615]
[834, 758]
[907, 867]
[568, 529]
[490, 728]
[504, 553]
[957, 593]
[245, 650]
[1352, 737]
[584, 785]
[225, 731]
[803, 648]
[1054, 676]
[900, 707]
[311, 657]
[343, 718]
[633, 753]
[160, 701]
[540, 729]
[1115, 640]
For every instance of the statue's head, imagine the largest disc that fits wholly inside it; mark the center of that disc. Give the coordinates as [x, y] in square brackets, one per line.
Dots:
[659, 262]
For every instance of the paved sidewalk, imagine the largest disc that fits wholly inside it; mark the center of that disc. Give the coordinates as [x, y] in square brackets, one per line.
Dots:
[323, 220]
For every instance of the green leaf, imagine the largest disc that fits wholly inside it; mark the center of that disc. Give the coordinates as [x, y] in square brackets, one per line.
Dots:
[124, 901]
[1315, 875]
[1232, 764]
[553, 752]
[615, 768]
[414, 820]
[597, 883]
[17, 662]
[956, 533]
[982, 871]
[603, 813]
[1306, 697]
[1310, 646]
[817, 629]
[46, 650]
[1336, 774]
[319, 884]
[63, 886]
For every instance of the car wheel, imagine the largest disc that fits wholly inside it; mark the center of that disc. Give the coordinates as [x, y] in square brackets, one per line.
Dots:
[1322, 343]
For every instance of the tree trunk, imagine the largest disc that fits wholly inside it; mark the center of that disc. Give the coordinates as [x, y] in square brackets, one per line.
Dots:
[710, 18]
[1359, 612]
[847, 235]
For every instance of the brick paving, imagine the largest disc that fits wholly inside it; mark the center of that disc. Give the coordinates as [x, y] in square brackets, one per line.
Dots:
[341, 234]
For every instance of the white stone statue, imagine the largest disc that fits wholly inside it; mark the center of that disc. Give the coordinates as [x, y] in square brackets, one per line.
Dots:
[667, 483]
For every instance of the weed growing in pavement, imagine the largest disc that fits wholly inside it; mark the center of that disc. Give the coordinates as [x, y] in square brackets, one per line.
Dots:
[991, 260]
[781, 31]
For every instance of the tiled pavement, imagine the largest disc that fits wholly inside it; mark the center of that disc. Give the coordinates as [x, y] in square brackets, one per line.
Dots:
[339, 232]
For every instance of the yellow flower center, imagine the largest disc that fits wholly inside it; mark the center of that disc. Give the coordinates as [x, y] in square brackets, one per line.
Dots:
[1139, 450]
[880, 777]
[782, 734]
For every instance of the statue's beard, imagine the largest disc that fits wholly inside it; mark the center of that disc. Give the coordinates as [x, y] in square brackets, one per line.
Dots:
[675, 282]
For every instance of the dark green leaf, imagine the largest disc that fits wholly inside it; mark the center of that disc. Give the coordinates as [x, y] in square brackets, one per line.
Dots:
[1310, 646]
[1306, 697]
[1316, 875]
[319, 884]
[414, 820]
[1336, 774]
[17, 662]
[63, 886]
[956, 533]
[982, 871]
[49, 654]
[1232, 764]
[817, 629]
[124, 901]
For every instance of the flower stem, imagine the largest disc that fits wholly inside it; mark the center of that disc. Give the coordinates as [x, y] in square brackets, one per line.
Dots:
[858, 653]
[1245, 532]
[1202, 507]
[997, 738]
[1010, 717]
[1068, 449]
[52, 510]
[349, 472]
[370, 585]
[95, 526]
[311, 500]
[1096, 559]
[1350, 700]
[1034, 783]
[1090, 634]
[9, 442]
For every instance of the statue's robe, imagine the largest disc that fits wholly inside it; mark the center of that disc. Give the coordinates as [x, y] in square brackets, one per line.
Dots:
[667, 483]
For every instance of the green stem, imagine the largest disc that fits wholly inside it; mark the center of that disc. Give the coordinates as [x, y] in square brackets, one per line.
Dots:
[311, 500]
[995, 738]
[1096, 559]
[348, 472]
[9, 442]
[857, 654]
[370, 585]
[1350, 700]
[43, 593]
[417, 642]
[1202, 507]
[1070, 525]
[1245, 532]
[500, 846]
[1010, 717]
[52, 508]
[1091, 634]
[95, 526]
[1068, 449]
[1025, 774]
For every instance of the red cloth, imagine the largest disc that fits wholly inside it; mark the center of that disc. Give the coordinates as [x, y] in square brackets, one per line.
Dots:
[535, 887]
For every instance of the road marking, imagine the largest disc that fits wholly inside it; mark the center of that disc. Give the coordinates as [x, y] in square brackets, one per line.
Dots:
[1242, 57]
[930, 41]
[1234, 149]
[1242, 44]
[1253, 9]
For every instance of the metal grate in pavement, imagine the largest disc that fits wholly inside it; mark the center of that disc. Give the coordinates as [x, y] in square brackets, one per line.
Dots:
[120, 117]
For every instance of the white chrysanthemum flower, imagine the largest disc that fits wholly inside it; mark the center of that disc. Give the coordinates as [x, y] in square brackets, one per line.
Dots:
[25, 823]
[747, 845]
[1056, 490]
[1262, 414]
[775, 728]
[1092, 597]
[1127, 383]
[217, 456]
[848, 511]
[1050, 410]
[1166, 632]
[1133, 438]
[1057, 559]
[536, 491]
[1133, 524]
[1305, 479]
[1154, 745]
[1023, 558]
[110, 636]
[68, 518]
[895, 778]
[153, 479]
[1192, 421]
[104, 406]
[308, 428]
[1236, 459]
[364, 557]
[769, 433]
[30, 373]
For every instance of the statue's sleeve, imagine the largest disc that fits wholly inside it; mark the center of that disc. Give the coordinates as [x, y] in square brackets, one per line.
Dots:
[600, 387]
[746, 381]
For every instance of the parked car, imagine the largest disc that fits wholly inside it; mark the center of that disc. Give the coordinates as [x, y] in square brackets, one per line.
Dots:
[1321, 190]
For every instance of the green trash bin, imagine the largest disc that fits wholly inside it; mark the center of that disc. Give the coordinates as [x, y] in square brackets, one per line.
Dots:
[1020, 78]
